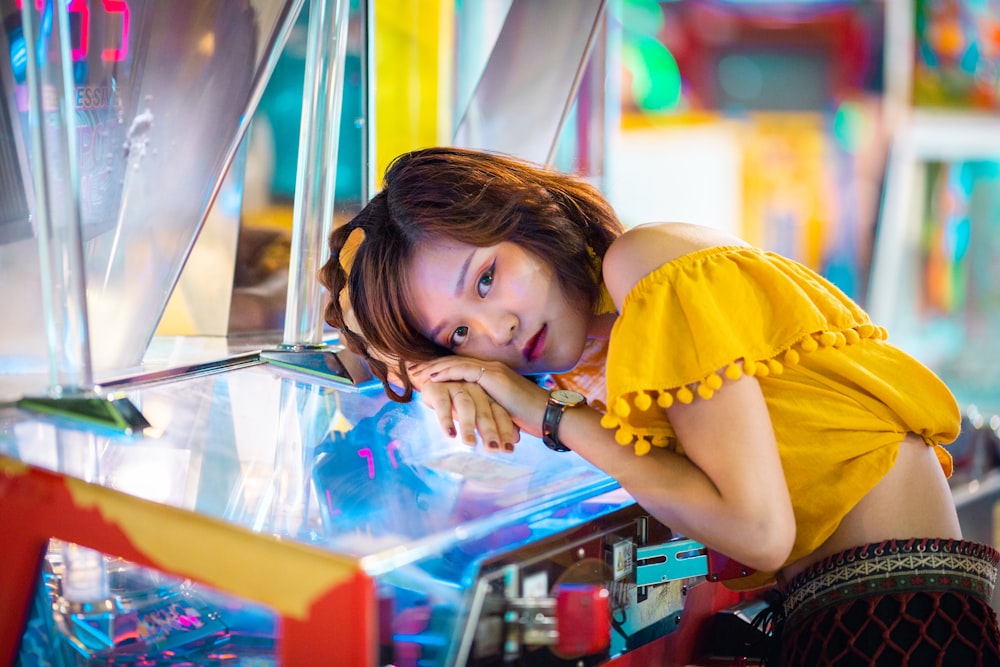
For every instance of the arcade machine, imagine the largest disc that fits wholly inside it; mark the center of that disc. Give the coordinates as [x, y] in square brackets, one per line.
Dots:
[201, 502]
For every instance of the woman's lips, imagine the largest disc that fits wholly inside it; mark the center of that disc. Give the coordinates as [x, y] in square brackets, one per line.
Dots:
[533, 349]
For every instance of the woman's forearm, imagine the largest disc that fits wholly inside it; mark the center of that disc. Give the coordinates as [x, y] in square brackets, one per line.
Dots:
[680, 495]
[727, 491]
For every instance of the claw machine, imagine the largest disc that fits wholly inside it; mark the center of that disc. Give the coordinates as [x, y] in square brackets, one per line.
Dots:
[211, 500]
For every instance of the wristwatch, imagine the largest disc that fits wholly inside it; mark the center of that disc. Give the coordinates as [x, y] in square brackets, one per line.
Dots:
[560, 400]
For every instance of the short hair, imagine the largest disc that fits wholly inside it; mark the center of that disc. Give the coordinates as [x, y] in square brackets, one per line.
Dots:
[472, 197]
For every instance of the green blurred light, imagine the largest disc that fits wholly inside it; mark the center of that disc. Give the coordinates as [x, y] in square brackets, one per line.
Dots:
[642, 16]
[656, 80]
[848, 126]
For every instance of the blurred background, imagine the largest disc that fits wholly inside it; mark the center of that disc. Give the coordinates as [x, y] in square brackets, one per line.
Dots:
[859, 137]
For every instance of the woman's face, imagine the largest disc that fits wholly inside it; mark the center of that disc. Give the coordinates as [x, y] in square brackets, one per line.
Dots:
[498, 303]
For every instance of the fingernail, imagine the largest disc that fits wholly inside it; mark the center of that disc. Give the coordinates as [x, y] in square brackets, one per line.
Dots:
[494, 444]
[434, 374]
[451, 431]
[471, 439]
[509, 446]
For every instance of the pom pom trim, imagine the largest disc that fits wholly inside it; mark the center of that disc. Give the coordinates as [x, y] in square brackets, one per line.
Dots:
[642, 400]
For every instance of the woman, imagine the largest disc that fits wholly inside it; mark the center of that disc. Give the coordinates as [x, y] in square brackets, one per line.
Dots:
[762, 413]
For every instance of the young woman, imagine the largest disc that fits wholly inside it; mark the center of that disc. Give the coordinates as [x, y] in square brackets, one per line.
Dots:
[750, 404]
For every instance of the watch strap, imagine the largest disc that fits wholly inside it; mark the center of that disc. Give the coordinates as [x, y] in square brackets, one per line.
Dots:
[550, 427]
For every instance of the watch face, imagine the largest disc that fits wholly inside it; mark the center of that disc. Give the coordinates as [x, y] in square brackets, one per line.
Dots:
[567, 397]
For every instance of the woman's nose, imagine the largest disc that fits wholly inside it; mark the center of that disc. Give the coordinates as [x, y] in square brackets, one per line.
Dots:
[501, 327]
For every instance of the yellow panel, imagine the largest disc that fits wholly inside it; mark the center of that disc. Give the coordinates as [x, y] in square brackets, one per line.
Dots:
[785, 178]
[188, 545]
[414, 44]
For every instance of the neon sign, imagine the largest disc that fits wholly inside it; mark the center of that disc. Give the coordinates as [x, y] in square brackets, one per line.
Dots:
[367, 454]
[80, 18]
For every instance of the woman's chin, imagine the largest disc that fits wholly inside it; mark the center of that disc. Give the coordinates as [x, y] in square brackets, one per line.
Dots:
[556, 367]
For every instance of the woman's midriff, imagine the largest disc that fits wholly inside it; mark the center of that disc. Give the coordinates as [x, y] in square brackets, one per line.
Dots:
[912, 500]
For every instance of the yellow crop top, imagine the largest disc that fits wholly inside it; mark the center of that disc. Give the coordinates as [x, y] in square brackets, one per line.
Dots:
[840, 397]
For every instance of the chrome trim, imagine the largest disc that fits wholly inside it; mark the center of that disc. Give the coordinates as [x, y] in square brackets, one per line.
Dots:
[180, 372]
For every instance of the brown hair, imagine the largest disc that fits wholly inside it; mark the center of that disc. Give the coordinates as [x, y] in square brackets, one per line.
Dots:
[471, 197]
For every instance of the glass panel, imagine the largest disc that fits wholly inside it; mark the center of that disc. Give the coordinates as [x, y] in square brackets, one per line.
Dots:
[341, 469]
[95, 609]
[260, 284]
[162, 93]
[522, 99]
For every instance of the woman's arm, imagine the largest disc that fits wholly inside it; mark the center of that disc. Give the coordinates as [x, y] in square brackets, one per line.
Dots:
[728, 492]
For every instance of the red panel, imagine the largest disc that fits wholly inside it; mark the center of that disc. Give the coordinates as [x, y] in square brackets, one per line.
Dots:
[36, 505]
[583, 617]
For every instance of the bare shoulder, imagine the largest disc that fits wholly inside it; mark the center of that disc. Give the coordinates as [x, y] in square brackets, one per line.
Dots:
[644, 248]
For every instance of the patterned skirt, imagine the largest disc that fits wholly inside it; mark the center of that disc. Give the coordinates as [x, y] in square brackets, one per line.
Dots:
[898, 602]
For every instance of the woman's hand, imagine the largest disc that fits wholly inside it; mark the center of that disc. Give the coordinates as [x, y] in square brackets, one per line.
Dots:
[510, 397]
[471, 407]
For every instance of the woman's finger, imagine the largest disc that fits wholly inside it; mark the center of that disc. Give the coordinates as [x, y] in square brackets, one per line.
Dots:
[509, 433]
[477, 413]
[485, 418]
[487, 426]
[464, 411]
[438, 397]
[455, 369]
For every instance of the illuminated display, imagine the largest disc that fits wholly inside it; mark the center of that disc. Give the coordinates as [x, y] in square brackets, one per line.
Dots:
[366, 453]
[99, 39]
[80, 13]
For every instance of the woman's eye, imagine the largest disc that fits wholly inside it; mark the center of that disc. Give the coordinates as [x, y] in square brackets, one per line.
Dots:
[486, 281]
[458, 336]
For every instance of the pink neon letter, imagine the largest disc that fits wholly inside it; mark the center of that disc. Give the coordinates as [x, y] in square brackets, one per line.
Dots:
[117, 7]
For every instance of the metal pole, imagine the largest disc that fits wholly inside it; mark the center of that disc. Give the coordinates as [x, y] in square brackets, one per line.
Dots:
[52, 127]
[317, 171]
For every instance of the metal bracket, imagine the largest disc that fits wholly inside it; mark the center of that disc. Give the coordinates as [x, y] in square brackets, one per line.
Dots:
[333, 363]
[678, 559]
[116, 413]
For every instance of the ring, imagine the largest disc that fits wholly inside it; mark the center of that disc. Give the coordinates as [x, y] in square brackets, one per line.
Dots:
[480, 376]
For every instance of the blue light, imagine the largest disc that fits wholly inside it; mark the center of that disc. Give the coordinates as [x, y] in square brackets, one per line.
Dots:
[18, 55]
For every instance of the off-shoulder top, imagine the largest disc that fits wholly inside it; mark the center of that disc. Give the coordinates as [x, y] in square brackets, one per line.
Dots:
[841, 398]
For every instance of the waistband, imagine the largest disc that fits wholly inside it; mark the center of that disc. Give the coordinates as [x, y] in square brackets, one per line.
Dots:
[891, 567]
